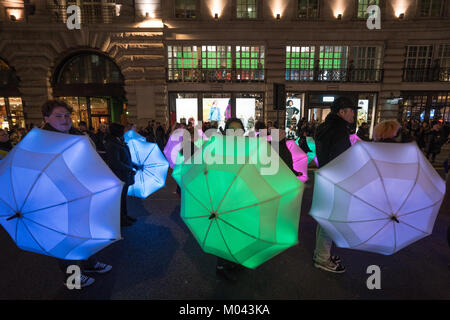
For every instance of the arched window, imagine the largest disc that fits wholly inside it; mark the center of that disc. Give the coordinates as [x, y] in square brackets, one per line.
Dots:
[93, 85]
[90, 68]
[11, 107]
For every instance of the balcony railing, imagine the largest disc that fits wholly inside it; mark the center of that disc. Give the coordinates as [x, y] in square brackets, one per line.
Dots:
[426, 74]
[335, 75]
[215, 75]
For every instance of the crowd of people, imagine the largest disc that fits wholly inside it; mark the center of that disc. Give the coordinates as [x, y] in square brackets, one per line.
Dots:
[331, 137]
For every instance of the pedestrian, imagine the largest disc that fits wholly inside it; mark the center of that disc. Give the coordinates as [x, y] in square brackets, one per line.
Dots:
[5, 142]
[57, 117]
[161, 135]
[433, 142]
[99, 139]
[363, 131]
[332, 139]
[386, 131]
[118, 158]
[422, 135]
[150, 131]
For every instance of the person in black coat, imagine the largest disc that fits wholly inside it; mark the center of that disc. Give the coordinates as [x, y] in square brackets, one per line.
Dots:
[5, 142]
[332, 139]
[433, 142]
[118, 158]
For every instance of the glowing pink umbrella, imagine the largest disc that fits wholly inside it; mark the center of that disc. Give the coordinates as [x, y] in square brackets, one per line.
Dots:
[354, 138]
[299, 159]
[173, 146]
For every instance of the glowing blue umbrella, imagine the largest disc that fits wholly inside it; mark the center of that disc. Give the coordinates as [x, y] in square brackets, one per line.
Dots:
[152, 171]
[131, 134]
[58, 197]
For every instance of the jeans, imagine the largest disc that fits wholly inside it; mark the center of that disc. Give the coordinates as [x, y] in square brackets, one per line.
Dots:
[322, 252]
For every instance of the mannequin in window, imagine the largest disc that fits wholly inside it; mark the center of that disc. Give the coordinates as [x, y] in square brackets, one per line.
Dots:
[291, 112]
[214, 112]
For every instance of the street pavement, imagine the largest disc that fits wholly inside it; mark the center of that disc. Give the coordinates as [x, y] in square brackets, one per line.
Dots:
[158, 258]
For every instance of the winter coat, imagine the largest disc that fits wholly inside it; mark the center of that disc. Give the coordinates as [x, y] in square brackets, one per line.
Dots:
[118, 158]
[331, 138]
[433, 142]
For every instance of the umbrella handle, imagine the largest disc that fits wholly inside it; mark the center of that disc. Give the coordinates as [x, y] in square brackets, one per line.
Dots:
[17, 215]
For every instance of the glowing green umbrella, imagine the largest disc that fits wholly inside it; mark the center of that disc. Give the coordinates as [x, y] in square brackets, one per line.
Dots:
[312, 146]
[240, 210]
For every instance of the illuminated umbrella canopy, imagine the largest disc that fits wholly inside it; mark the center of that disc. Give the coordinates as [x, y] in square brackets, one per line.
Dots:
[299, 160]
[312, 146]
[377, 197]
[133, 135]
[152, 173]
[235, 210]
[173, 146]
[58, 197]
[354, 138]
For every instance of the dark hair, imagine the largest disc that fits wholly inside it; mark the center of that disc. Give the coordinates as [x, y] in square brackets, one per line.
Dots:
[50, 105]
[231, 120]
[82, 123]
[116, 129]
[342, 103]
[259, 125]
[287, 102]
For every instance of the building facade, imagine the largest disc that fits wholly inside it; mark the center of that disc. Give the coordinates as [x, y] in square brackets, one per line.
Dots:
[173, 60]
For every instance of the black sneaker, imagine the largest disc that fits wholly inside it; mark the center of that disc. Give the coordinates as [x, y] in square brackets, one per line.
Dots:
[330, 266]
[226, 273]
[336, 259]
[99, 268]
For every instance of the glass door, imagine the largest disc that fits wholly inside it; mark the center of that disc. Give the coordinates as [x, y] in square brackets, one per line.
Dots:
[100, 112]
[249, 108]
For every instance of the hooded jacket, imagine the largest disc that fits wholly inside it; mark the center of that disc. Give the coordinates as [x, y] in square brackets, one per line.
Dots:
[331, 138]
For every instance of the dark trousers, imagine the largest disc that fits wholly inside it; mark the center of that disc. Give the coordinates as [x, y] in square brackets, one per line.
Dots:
[222, 263]
[83, 264]
[123, 201]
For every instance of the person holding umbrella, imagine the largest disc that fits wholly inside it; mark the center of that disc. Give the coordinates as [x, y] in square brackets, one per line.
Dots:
[332, 139]
[57, 117]
[118, 158]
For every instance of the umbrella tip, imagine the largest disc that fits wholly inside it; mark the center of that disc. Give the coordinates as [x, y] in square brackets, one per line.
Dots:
[212, 216]
[393, 217]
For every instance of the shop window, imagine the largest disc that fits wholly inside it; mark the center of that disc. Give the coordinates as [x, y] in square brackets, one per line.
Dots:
[250, 63]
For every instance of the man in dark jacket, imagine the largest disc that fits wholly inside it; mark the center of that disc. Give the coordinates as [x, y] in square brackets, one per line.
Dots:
[118, 158]
[332, 139]
[57, 118]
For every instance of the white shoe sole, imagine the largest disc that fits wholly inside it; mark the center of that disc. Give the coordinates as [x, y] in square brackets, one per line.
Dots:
[319, 266]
